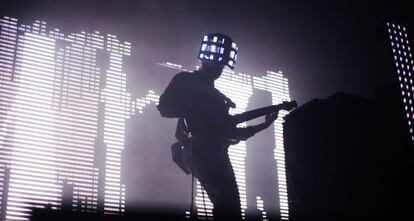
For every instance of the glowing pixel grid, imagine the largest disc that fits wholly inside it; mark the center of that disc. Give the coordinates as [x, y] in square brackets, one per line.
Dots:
[51, 88]
[51, 91]
[404, 65]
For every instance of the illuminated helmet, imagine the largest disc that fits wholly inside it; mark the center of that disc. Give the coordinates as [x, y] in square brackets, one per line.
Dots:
[220, 48]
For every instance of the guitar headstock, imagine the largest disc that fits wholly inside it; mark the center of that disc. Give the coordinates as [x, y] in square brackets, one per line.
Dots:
[288, 105]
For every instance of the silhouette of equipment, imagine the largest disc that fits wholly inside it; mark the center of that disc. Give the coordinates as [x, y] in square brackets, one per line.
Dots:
[349, 158]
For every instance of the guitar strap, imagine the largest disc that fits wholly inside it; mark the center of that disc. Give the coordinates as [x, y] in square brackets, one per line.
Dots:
[181, 151]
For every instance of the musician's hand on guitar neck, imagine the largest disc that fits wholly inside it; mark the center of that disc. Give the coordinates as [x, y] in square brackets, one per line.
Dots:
[288, 105]
[270, 118]
[230, 103]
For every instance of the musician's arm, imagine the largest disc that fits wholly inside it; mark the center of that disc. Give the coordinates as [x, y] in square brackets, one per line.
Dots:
[249, 115]
[247, 132]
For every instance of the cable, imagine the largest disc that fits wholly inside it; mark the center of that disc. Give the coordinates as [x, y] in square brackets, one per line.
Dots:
[192, 216]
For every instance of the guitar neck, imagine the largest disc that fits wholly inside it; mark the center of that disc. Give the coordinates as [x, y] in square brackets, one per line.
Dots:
[249, 115]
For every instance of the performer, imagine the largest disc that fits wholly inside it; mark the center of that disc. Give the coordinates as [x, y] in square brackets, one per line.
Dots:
[205, 129]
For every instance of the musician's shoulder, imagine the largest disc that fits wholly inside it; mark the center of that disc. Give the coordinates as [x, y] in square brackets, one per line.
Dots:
[181, 78]
[183, 75]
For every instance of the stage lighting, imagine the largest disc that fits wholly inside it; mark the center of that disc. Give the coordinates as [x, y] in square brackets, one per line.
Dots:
[218, 47]
[403, 60]
[52, 96]
[51, 88]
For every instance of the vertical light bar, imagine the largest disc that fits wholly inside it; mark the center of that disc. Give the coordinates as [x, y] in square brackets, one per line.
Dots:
[33, 146]
[50, 93]
[76, 101]
[117, 110]
[8, 40]
[260, 207]
[404, 66]
[278, 86]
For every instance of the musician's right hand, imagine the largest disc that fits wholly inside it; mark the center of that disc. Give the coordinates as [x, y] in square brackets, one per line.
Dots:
[270, 118]
[287, 105]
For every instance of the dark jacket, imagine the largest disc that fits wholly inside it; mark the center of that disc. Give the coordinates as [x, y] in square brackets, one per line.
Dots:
[204, 107]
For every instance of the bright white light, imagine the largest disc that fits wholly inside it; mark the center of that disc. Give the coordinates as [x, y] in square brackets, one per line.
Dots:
[56, 117]
[404, 63]
[232, 53]
[203, 47]
[233, 45]
[213, 48]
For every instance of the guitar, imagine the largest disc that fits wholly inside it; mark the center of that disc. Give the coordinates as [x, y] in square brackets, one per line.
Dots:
[181, 151]
[249, 115]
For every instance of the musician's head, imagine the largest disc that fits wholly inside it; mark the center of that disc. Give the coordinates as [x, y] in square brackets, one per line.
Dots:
[217, 51]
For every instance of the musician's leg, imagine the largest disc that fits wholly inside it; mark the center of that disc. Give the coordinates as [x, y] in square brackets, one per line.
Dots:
[219, 181]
